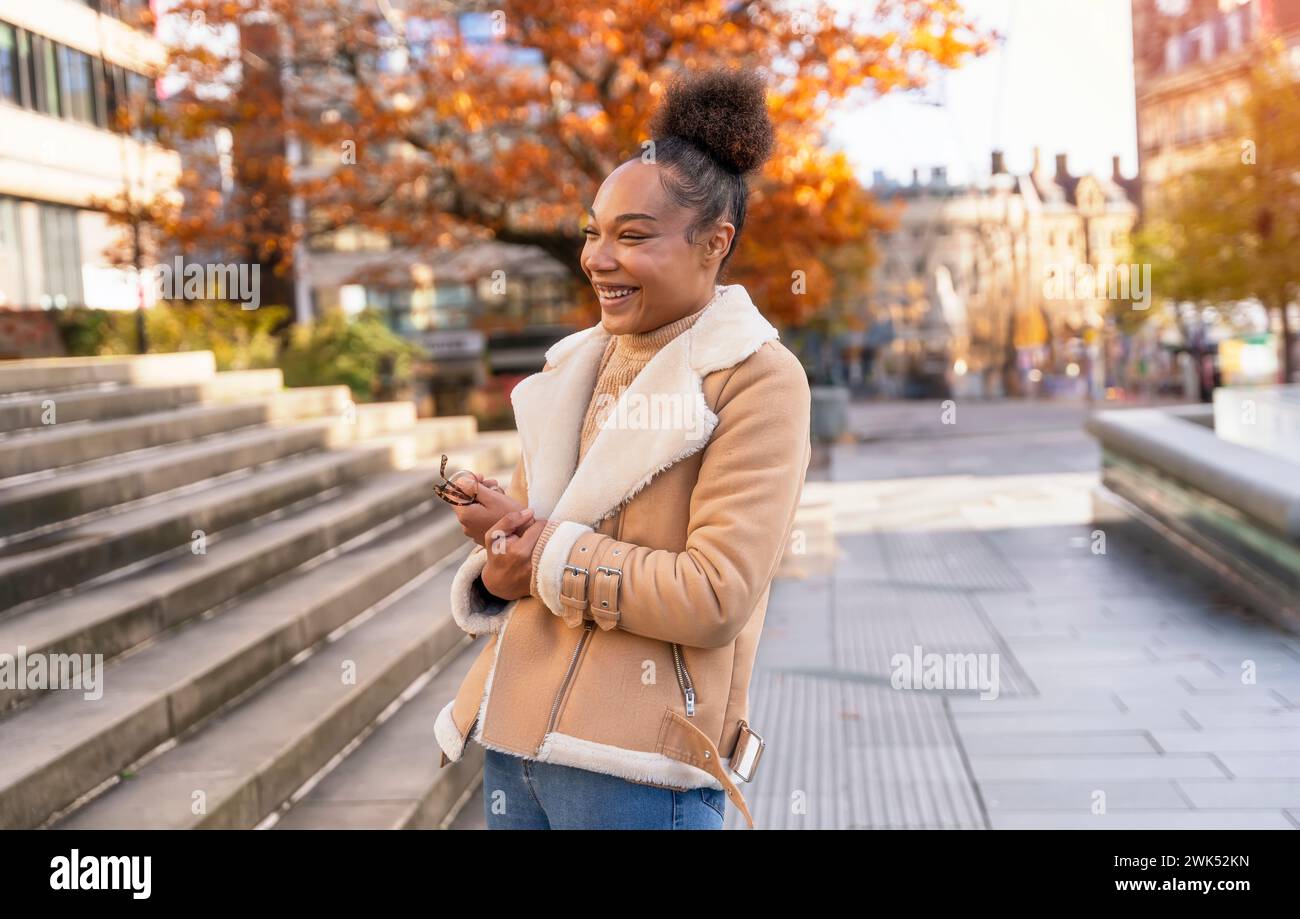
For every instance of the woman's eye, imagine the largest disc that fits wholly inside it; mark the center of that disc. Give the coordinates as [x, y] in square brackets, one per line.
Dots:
[589, 233]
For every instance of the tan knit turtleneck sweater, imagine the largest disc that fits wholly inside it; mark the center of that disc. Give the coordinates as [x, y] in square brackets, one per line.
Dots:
[625, 356]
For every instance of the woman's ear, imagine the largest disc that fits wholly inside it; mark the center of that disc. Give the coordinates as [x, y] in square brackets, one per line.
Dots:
[718, 242]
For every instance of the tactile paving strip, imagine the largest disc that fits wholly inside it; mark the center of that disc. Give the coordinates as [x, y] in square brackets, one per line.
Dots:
[953, 559]
[874, 623]
[848, 754]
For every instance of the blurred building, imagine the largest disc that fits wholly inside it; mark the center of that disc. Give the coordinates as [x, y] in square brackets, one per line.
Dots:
[961, 288]
[66, 70]
[1189, 65]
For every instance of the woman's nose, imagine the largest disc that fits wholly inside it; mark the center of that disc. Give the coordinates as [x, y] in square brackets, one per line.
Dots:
[596, 257]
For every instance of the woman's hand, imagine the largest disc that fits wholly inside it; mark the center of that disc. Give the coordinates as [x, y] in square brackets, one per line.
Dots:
[508, 573]
[490, 505]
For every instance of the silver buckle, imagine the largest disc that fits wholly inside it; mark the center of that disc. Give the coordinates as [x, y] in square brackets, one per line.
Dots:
[744, 759]
[617, 586]
[576, 570]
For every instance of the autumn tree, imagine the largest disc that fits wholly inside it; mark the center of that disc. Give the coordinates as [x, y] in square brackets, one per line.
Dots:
[435, 134]
[1228, 229]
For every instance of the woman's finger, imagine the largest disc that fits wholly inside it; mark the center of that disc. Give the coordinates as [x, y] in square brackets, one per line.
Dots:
[466, 481]
[506, 526]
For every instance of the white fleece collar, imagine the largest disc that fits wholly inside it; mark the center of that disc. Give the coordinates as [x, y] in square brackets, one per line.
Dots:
[660, 419]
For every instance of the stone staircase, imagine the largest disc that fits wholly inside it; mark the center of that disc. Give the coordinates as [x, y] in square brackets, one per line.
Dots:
[266, 574]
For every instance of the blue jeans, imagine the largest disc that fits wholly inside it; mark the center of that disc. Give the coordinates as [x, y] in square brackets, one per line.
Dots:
[524, 794]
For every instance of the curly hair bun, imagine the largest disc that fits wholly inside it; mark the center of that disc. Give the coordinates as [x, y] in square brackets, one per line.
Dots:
[723, 113]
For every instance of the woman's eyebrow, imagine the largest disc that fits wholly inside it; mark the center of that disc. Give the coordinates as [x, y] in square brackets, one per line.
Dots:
[621, 218]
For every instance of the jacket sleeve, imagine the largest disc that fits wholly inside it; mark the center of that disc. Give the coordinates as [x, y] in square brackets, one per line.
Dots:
[741, 512]
[475, 609]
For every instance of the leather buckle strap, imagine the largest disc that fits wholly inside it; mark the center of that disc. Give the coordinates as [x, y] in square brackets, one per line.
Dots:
[604, 596]
[572, 596]
[744, 758]
[683, 741]
[607, 581]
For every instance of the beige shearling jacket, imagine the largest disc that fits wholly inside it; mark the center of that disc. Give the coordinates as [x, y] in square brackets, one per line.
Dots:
[633, 655]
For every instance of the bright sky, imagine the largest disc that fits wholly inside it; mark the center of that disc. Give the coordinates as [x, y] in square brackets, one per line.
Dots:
[1062, 80]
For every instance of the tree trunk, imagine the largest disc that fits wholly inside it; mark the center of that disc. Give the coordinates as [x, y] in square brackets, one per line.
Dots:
[137, 258]
[1288, 347]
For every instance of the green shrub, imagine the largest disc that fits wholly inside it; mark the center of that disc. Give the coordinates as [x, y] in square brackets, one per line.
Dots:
[361, 353]
[89, 332]
[239, 339]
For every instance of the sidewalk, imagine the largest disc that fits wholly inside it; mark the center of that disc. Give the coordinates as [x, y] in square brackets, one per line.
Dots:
[1121, 702]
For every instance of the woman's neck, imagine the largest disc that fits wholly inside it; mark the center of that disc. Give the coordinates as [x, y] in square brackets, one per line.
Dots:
[644, 345]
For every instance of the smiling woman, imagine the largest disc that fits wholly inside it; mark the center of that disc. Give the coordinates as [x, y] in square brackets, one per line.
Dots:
[624, 578]
[664, 226]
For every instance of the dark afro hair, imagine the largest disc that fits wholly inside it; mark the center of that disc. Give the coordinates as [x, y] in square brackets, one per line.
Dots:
[710, 132]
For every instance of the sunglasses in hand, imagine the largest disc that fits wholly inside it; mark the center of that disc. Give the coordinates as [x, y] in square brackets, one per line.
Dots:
[448, 490]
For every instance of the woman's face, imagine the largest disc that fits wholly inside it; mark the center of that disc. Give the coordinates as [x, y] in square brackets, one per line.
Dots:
[636, 238]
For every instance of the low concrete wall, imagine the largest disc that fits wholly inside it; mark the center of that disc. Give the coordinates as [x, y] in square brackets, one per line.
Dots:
[1264, 486]
[1230, 509]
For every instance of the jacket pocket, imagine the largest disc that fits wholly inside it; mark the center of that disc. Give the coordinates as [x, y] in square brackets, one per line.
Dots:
[715, 798]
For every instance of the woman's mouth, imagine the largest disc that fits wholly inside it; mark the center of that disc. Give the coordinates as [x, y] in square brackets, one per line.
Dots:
[612, 296]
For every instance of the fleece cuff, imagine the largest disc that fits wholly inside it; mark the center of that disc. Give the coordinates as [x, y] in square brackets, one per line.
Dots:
[550, 567]
[472, 606]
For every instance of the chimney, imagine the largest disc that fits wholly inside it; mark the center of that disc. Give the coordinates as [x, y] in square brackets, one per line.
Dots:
[1115, 174]
[999, 163]
[1062, 171]
[916, 178]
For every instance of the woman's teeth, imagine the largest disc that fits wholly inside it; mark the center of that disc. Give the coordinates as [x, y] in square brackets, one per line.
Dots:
[613, 294]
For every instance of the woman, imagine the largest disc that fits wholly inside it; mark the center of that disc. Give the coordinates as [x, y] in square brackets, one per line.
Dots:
[624, 577]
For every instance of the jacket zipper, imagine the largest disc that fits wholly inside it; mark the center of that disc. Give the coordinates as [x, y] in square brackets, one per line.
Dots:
[679, 663]
[684, 680]
[587, 628]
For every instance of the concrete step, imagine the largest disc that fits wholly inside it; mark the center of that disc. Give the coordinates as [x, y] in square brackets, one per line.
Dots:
[53, 497]
[244, 763]
[182, 523]
[112, 618]
[46, 411]
[30, 505]
[63, 745]
[70, 444]
[392, 779]
[470, 812]
[63, 372]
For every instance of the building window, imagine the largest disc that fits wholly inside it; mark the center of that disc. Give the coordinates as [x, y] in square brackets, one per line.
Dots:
[132, 12]
[1173, 53]
[10, 85]
[77, 83]
[60, 256]
[26, 71]
[1204, 36]
[46, 71]
[13, 286]
[1235, 29]
[48, 77]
